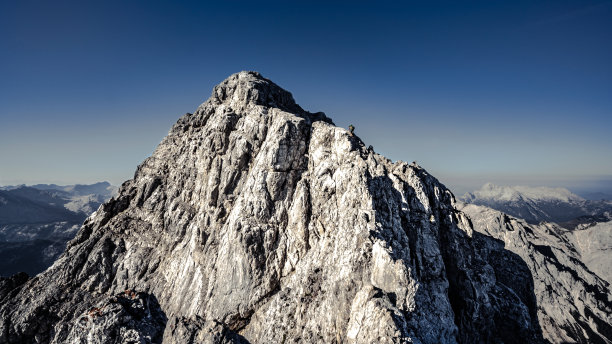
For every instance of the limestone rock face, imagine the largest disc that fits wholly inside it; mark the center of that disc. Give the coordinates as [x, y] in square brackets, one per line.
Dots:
[255, 221]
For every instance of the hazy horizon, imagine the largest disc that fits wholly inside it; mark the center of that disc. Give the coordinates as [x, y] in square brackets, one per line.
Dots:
[514, 93]
[459, 185]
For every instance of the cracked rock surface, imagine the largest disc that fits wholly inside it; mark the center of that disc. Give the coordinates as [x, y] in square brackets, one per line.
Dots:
[255, 221]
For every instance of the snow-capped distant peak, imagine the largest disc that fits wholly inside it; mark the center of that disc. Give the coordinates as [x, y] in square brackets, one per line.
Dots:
[491, 191]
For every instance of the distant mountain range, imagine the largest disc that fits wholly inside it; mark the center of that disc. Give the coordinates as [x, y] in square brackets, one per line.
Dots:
[586, 224]
[537, 204]
[36, 222]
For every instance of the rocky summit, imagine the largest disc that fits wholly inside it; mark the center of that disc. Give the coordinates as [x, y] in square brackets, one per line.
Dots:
[255, 221]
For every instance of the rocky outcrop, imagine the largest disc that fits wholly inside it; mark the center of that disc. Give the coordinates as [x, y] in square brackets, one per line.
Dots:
[256, 221]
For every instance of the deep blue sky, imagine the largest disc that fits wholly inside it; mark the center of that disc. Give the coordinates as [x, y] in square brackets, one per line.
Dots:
[513, 92]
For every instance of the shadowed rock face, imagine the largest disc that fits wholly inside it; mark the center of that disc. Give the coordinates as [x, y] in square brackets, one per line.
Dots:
[255, 221]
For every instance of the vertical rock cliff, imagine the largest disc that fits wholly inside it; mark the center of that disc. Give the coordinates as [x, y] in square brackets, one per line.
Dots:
[255, 221]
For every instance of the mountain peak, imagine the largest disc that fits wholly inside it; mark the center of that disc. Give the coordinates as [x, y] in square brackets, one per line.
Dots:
[249, 87]
[241, 94]
[536, 204]
[254, 220]
[492, 191]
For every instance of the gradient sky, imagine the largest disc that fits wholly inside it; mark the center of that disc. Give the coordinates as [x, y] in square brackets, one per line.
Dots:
[513, 92]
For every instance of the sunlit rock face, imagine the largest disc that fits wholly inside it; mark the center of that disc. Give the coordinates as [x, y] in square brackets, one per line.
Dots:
[593, 242]
[255, 221]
